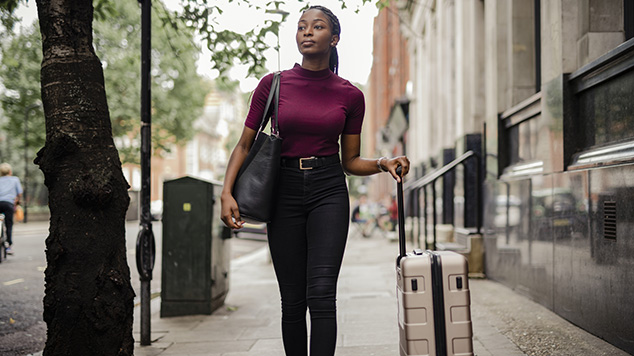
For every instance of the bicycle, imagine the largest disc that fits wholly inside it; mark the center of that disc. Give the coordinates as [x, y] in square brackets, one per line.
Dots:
[383, 223]
[3, 239]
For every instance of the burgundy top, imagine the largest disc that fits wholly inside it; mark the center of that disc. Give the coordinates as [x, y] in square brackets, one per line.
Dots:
[316, 107]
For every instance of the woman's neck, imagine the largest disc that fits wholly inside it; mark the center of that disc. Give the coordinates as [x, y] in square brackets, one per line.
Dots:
[315, 64]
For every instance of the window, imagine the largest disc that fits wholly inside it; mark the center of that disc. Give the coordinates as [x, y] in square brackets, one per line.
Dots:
[600, 121]
[628, 19]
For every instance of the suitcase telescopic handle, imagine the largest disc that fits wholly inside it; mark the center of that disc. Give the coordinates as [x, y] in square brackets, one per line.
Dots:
[401, 215]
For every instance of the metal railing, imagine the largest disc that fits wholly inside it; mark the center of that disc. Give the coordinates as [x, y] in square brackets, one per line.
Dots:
[430, 180]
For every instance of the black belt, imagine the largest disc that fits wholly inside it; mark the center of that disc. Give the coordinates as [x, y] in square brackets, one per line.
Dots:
[310, 162]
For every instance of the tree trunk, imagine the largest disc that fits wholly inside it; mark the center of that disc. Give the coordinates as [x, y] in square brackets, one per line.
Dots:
[88, 302]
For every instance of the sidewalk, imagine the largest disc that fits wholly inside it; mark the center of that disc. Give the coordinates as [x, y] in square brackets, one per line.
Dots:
[504, 323]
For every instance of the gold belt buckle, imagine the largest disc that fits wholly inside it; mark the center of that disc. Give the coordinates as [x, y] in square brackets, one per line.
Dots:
[301, 163]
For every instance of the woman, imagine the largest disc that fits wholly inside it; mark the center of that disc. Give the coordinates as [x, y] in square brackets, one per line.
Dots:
[10, 194]
[308, 231]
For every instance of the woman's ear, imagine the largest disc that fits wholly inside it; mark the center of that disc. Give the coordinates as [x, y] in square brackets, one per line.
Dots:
[334, 41]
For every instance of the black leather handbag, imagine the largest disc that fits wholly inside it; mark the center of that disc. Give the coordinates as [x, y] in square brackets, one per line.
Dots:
[256, 183]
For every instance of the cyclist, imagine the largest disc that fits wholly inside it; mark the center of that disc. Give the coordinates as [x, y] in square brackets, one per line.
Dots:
[10, 194]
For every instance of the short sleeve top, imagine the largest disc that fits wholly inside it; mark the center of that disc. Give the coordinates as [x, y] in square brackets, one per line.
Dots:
[315, 109]
[10, 188]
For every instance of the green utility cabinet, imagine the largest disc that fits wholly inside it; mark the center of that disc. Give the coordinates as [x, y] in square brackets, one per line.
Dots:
[196, 248]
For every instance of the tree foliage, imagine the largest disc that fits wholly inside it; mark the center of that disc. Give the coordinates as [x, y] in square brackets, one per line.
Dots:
[7, 18]
[178, 92]
[20, 65]
[20, 74]
[227, 47]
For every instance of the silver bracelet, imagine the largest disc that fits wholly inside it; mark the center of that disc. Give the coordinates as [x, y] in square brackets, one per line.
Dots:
[378, 163]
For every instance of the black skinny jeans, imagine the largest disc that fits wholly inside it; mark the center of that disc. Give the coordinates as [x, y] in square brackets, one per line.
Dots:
[6, 208]
[307, 238]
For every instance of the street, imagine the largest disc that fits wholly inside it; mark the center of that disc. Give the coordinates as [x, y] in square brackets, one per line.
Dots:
[504, 321]
[22, 329]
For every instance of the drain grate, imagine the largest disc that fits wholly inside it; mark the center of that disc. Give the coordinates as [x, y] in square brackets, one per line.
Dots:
[609, 220]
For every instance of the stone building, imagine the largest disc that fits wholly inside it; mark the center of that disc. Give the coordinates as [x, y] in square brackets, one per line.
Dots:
[541, 91]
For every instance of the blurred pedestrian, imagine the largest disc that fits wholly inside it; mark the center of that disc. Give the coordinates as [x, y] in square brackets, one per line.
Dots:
[320, 115]
[10, 194]
[361, 212]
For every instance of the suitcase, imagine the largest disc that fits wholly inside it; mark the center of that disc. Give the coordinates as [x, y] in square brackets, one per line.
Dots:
[434, 308]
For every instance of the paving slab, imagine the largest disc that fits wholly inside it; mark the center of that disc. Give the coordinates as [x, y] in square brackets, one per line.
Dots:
[505, 323]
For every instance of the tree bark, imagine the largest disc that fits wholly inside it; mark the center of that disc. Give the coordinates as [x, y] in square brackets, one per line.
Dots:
[88, 302]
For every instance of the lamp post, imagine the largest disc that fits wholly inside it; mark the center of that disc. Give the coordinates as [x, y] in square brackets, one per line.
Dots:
[145, 247]
[277, 34]
[27, 111]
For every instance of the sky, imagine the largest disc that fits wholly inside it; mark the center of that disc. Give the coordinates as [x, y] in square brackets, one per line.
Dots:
[354, 48]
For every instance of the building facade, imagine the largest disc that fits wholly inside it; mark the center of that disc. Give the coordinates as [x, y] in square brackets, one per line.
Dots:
[204, 156]
[542, 91]
[386, 97]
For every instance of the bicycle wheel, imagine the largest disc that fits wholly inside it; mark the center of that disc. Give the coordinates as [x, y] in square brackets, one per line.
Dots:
[3, 248]
[3, 240]
[368, 229]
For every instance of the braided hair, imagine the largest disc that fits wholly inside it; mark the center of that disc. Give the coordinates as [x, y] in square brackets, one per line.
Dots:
[336, 30]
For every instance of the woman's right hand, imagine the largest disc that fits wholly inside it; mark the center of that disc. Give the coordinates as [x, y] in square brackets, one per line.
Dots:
[229, 212]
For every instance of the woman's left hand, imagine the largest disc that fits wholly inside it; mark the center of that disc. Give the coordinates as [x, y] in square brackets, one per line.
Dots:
[392, 163]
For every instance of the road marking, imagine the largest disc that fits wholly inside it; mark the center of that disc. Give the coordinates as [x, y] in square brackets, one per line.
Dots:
[41, 269]
[15, 281]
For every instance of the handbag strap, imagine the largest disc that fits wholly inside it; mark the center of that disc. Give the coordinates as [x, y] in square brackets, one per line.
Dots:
[274, 94]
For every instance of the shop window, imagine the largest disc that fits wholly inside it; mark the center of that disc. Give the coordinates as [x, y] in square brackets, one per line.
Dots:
[607, 111]
[598, 126]
[519, 134]
[523, 141]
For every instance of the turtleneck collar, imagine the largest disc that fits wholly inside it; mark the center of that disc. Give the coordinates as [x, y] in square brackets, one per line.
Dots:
[319, 74]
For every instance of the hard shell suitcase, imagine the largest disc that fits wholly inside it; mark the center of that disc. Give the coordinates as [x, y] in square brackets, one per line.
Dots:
[434, 308]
